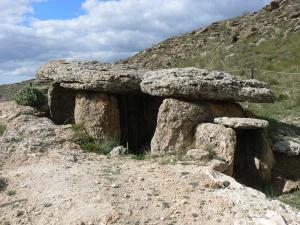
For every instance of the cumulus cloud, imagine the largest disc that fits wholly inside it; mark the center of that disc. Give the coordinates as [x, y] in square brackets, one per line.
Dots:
[107, 31]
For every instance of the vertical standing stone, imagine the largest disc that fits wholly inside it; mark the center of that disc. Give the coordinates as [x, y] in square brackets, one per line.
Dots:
[99, 113]
[177, 121]
[219, 139]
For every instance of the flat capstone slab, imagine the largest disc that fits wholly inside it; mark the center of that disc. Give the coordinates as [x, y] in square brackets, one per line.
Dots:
[242, 123]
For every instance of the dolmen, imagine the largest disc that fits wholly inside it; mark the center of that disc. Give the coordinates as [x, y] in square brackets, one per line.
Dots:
[166, 111]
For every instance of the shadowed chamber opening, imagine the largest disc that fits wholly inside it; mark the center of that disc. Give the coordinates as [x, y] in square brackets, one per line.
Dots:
[62, 105]
[251, 144]
[138, 118]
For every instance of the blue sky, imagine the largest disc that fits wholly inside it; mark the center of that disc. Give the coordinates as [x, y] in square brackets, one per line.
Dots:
[57, 9]
[33, 32]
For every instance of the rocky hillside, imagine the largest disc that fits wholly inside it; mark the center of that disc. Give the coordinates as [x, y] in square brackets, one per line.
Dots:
[265, 40]
[225, 40]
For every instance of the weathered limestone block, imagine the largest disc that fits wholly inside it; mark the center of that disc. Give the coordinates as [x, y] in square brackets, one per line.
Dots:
[199, 84]
[242, 123]
[172, 116]
[176, 123]
[219, 139]
[61, 104]
[93, 76]
[99, 114]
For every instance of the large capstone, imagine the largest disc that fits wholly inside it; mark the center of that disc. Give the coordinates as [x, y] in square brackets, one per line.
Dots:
[99, 114]
[93, 76]
[219, 141]
[199, 84]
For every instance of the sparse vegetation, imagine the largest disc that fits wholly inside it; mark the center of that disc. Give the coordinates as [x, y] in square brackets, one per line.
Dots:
[12, 192]
[30, 96]
[89, 144]
[292, 199]
[2, 129]
[211, 152]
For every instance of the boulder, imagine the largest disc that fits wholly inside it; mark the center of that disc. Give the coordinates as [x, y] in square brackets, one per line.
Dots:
[288, 147]
[219, 140]
[242, 123]
[95, 76]
[290, 186]
[176, 123]
[99, 114]
[274, 5]
[118, 151]
[199, 84]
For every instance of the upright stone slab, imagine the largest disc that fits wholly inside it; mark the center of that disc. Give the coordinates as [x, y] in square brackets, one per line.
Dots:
[176, 123]
[99, 113]
[219, 139]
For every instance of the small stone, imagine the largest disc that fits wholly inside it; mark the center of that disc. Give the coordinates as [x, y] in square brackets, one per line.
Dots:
[126, 196]
[47, 204]
[115, 186]
[184, 202]
[197, 154]
[20, 213]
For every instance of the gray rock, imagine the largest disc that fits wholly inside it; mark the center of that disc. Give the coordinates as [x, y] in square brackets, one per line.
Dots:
[197, 154]
[90, 75]
[290, 186]
[199, 84]
[117, 151]
[242, 123]
[218, 139]
[221, 166]
[289, 147]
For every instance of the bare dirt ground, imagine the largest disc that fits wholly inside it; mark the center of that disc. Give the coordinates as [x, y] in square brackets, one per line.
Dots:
[51, 181]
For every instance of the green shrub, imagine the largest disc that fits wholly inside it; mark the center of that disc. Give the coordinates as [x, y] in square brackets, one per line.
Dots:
[211, 152]
[2, 129]
[30, 96]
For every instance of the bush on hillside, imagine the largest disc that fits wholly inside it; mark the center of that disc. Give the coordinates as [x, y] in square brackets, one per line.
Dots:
[30, 96]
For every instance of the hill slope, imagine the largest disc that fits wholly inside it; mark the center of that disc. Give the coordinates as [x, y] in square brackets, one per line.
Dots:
[265, 40]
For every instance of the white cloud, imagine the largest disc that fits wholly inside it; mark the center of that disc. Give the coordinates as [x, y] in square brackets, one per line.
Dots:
[108, 30]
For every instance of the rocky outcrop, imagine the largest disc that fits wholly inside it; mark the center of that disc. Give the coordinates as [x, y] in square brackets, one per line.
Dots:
[91, 75]
[242, 123]
[99, 114]
[218, 140]
[198, 84]
[176, 122]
